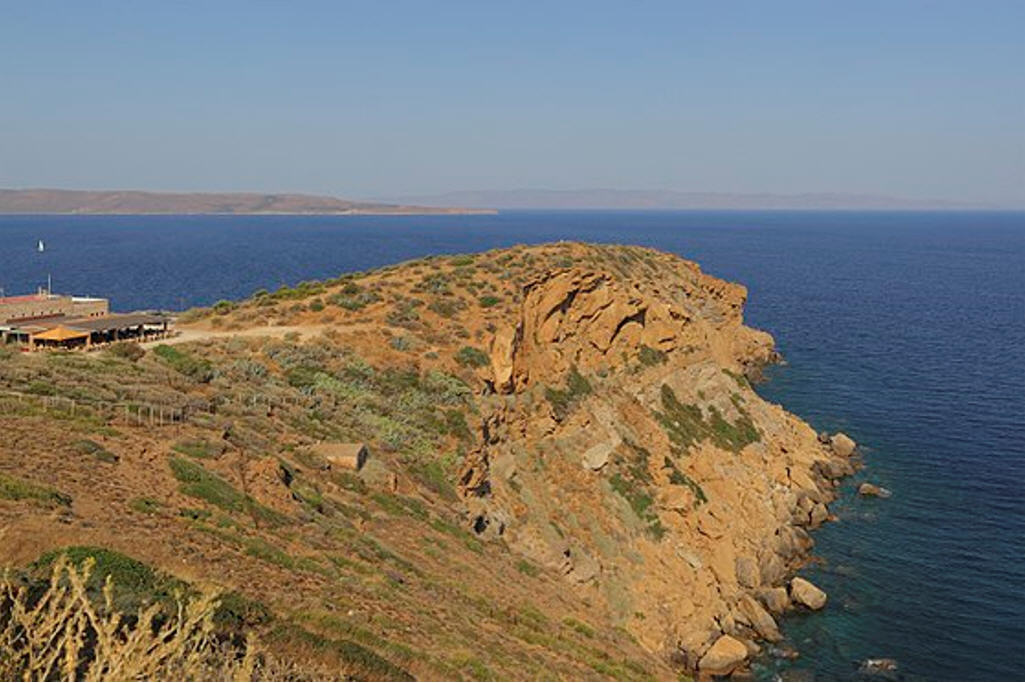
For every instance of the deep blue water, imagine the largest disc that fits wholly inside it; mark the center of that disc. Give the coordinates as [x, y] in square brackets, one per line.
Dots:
[904, 329]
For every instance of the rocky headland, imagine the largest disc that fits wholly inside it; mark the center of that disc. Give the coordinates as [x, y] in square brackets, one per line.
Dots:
[568, 426]
[131, 202]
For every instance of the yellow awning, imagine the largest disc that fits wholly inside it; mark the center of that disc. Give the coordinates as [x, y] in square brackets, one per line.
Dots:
[61, 333]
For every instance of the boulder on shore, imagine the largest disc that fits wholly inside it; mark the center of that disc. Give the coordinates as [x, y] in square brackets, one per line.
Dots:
[842, 444]
[725, 655]
[806, 593]
[775, 600]
[818, 515]
[747, 572]
[867, 489]
[760, 620]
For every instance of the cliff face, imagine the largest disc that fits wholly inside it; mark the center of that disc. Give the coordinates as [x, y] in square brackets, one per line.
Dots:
[653, 477]
[569, 476]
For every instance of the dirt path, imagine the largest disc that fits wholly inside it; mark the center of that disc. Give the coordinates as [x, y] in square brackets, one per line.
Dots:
[191, 334]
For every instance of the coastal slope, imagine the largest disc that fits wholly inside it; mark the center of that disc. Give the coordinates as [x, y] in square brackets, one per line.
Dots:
[47, 201]
[570, 474]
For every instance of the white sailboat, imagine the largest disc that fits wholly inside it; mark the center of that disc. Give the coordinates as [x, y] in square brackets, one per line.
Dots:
[40, 247]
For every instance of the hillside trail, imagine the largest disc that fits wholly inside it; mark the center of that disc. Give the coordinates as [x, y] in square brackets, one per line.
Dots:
[191, 334]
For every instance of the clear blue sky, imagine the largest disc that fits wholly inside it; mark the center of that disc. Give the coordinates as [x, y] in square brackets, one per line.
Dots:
[370, 99]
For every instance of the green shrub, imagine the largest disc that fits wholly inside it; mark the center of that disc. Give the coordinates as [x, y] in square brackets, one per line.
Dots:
[404, 313]
[472, 357]
[576, 383]
[197, 448]
[195, 514]
[579, 626]
[354, 301]
[262, 550]
[640, 501]
[87, 447]
[146, 505]
[432, 475]
[447, 389]
[135, 583]
[455, 422]
[435, 283]
[128, 350]
[685, 424]
[563, 400]
[236, 613]
[198, 369]
[354, 661]
[489, 300]
[650, 357]
[632, 480]
[19, 489]
[223, 307]
[527, 568]
[680, 479]
[446, 308]
[41, 388]
[303, 377]
[198, 482]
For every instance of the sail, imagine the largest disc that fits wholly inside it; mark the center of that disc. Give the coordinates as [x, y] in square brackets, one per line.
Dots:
[40, 246]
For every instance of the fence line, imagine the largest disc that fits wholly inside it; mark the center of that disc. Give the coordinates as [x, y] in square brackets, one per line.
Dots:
[152, 414]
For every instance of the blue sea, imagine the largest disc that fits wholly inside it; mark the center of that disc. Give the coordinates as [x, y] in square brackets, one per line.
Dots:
[906, 330]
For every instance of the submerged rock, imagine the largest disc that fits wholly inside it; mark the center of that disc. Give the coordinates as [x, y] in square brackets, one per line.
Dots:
[723, 657]
[871, 490]
[881, 665]
[806, 593]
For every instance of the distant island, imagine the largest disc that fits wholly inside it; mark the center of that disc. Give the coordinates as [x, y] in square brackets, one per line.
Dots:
[612, 199]
[48, 201]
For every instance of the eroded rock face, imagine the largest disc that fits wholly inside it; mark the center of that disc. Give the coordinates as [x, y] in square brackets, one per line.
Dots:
[590, 319]
[267, 483]
[626, 450]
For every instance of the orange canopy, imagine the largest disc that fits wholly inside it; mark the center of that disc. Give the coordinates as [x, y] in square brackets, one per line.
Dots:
[61, 333]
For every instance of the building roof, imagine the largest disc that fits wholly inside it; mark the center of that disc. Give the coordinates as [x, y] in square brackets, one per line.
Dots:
[61, 333]
[23, 298]
[115, 321]
[102, 323]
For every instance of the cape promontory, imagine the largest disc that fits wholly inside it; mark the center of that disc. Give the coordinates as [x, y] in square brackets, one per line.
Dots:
[544, 462]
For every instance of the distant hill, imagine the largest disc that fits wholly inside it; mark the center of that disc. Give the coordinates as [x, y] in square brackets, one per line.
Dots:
[670, 199]
[136, 202]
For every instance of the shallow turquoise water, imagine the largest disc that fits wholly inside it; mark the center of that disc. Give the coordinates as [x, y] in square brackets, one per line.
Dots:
[904, 329]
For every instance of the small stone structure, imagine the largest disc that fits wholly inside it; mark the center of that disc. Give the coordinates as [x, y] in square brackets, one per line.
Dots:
[343, 456]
